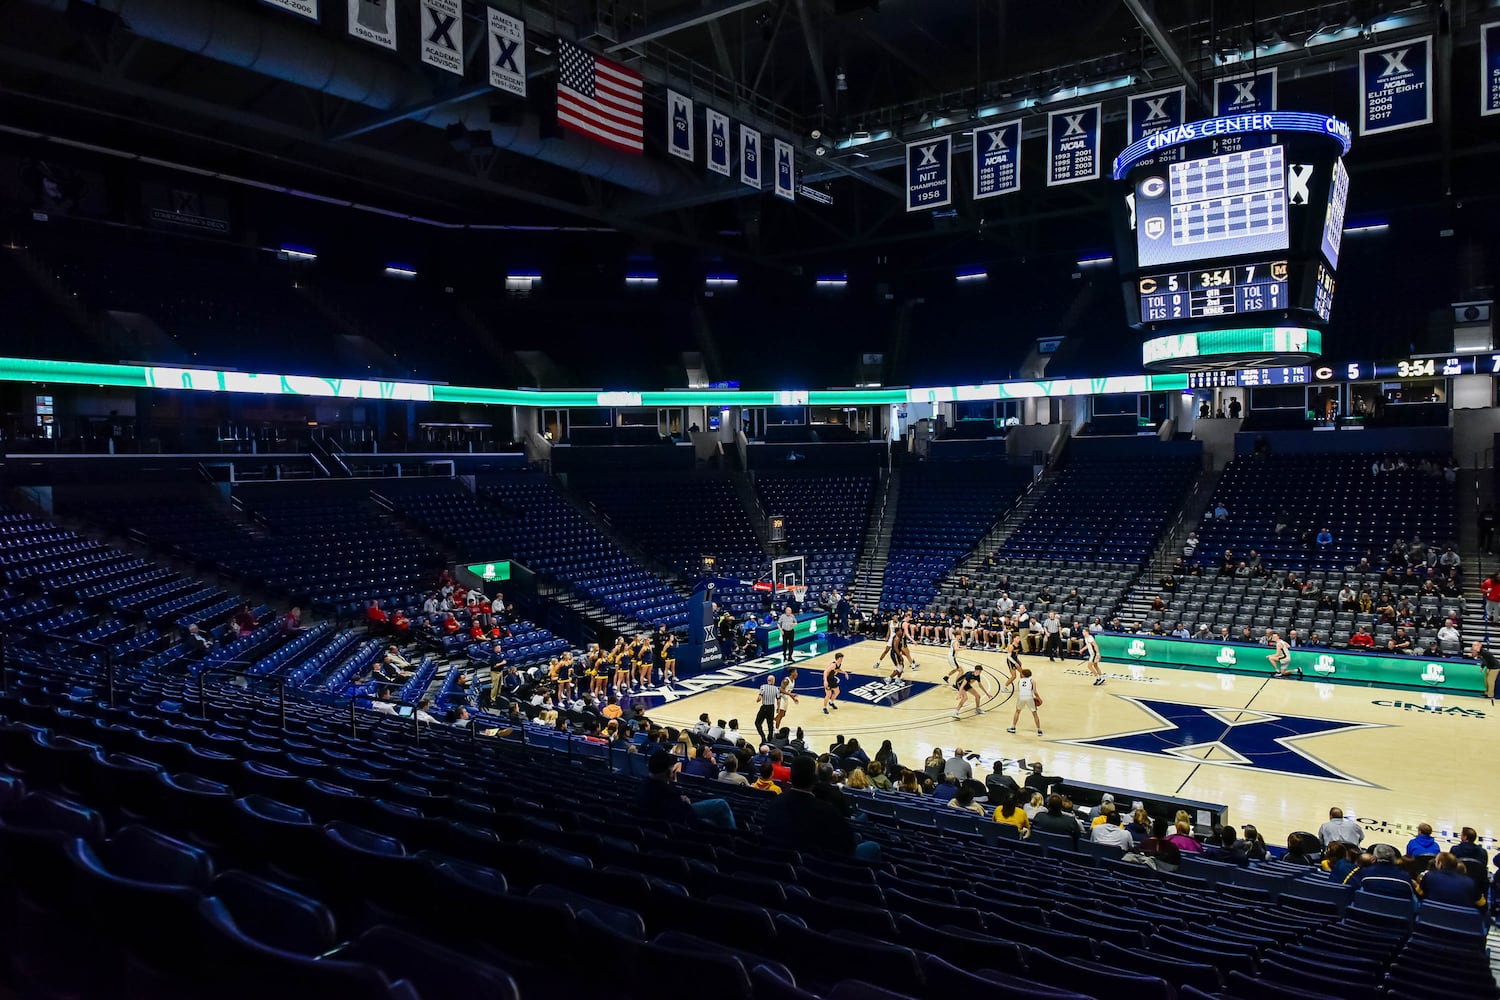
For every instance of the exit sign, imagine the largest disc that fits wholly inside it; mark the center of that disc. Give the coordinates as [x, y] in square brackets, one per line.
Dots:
[490, 572]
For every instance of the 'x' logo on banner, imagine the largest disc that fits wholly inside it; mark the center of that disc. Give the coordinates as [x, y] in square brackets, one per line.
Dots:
[1395, 62]
[506, 58]
[441, 26]
[1156, 107]
[1075, 124]
[997, 139]
[929, 155]
[1244, 92]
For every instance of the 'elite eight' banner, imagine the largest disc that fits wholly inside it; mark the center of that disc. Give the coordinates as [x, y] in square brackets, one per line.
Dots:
[1395, 86]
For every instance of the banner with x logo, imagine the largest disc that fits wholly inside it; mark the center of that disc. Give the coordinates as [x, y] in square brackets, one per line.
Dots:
[1395, 86]
[1073, 145]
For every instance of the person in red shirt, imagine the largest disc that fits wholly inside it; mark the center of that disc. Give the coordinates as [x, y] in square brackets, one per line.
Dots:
[779, 771]
[244, 619]
[1490, 588]
[1362, 639]
[450, 624]
[400, 622]
[375, 617]
[476, 632]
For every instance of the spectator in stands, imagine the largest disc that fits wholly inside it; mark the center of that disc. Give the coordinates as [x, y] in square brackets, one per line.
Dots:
[432, 605]
[1340, 830]
[422, 713]
[1182, 837]
[660, 799]
[1314, 641]
[1474, 857]
[909, 783]
[1423, 844]
[376, 618]
[1221, 512]
[1054, 819]
[800, 817]
[879, 780]
[1226, 565]
[1039, 781]
[200, 641]
[1234, 407]
[1324, 538]
[1107, 799]
[766, 780]
[779, 771]
[1033, 802]
[1339, 861]
[244, 619]
[1139, 826]
[1158, 848]
[998, 784]
[957, 768]
[1009, 811]
[1400, 642]
[1112, 834]
[1347, 599]
[732, 733]
[946, 788]
[886, 756]
[1362, 639]
[731, 774]
[1384, 868]
[1190, 545]
[291, 624]
[964, 800]
[1448, 881]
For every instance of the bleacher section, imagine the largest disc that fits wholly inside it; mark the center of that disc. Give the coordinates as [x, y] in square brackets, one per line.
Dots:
[944, 508]
[1104, 510]
[231, 855]
[523, 516]
[825, 521]
[1365, 512]
[677, 519]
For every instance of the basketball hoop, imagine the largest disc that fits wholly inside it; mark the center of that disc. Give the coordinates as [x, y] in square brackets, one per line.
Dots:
[799, 595]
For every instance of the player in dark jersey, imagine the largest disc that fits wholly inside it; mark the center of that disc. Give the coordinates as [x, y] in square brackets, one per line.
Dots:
[970, 684]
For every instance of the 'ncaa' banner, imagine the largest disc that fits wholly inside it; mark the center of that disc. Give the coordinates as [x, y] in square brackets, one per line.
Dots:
[786, 171]
[679, 125]
[373, 21]
[997, 159]
[1239, 95]
[307, 8]
[750, 157]
[1489, 69]
[718, 141]
[507, 53]
[1395, 86]
[929, 174]
[443, 35]
[1153, 113]
[1073, 145]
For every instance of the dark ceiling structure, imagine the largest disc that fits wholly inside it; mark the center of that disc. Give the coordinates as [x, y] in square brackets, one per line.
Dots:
[239, 88]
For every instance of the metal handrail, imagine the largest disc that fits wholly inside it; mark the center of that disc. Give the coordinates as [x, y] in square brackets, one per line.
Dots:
[218, 671]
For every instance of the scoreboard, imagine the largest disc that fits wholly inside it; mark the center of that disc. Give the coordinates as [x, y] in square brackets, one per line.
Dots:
[1232, 224]
[1215, 291]
[1251, 378]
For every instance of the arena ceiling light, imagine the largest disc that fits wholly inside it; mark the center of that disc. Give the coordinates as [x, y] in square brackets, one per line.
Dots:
[405, 271]
[972, 276]
[641, 280]
[296, 253]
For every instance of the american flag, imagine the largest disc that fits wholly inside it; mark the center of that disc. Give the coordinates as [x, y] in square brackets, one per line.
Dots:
[599, 98]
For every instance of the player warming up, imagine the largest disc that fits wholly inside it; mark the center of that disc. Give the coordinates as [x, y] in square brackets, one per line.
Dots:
[1091, 656]
[971, 682]
[954, 667]
[892, 629]
[832, 678]
[1281, 656]
[1028, 699]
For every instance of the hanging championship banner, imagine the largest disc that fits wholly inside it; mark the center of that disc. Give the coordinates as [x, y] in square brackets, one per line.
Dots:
[1489, 69]
[718, 141]
[1244, 94]
[679, 126]
[373, 21]
[1157, 112]
[749, 157]
[443, 35]
[1073, 145]
[929, 174]
[786, 171]
[997, 159]
[507, 53]
[1395, 86]
[306, 8]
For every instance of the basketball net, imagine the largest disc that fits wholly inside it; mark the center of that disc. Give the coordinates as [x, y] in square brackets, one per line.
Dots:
[799, 594]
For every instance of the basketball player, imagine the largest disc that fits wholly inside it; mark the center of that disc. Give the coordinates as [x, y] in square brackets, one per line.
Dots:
[788, 690]
[1091, 656]
[1013, 658]
[953, 641]
[832, 677]
[891, 628]
[1280, 656]
[1027, 699]
[899, 654]
[970, 683]
[908, 636]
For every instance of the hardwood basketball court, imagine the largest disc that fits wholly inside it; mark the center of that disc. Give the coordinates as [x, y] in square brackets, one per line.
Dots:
[1278, 753]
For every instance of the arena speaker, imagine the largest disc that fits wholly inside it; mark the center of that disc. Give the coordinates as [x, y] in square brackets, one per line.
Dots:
[776, 525]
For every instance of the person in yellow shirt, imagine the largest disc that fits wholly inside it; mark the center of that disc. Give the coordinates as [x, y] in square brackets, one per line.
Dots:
[764, 782]
[1103, 817]
[1010, 812]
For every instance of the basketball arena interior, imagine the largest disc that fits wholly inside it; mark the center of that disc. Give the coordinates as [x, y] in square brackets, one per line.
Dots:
[859, 499]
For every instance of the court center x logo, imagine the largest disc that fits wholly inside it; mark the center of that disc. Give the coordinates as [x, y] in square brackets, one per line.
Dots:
[1230, 737]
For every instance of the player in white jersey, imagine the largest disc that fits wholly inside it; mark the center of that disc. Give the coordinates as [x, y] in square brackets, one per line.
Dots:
[955, 637]
[1027, 699]
[1091, 656]
[1281, 656]
[788, 693]
[907, 637]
